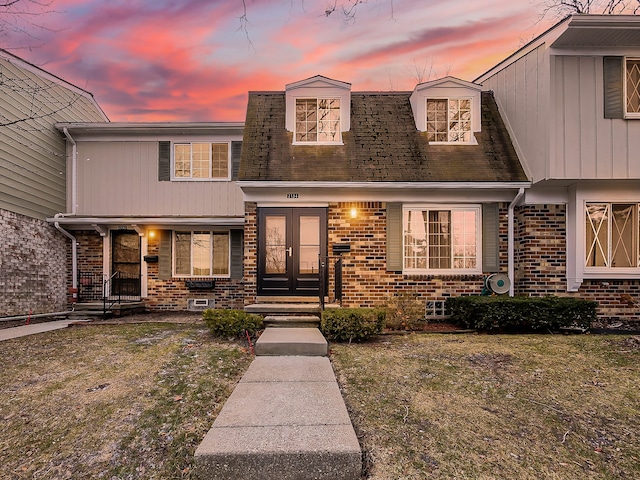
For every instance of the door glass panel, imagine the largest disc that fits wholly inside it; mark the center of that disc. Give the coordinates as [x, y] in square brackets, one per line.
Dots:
[126, 248]
[309, 244]
[275, 244]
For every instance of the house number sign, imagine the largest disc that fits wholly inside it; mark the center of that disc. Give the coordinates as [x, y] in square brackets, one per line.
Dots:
[292, 195]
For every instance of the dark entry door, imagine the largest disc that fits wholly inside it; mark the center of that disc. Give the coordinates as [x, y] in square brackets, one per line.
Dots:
[290, 242]
[125, 260]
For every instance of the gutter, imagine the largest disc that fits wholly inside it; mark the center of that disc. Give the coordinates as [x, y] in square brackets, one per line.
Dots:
[74, 173]
[74, 252]
[510, 248]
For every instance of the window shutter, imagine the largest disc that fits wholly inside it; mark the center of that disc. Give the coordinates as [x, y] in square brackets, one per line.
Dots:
[394, 237]
[236, 149]
[613, 87]
[490, 237]
[236, 254]
[164, 255]
[164, 161]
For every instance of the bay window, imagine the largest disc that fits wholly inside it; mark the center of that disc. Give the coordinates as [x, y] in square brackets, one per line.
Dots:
[201, 254]
[442, 239]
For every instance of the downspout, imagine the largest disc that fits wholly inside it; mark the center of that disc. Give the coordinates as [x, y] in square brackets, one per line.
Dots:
[74, 252]
[74, 174]
[511, 242]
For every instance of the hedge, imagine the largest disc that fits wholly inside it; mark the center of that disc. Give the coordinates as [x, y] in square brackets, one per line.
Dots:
[351, 324]
[231, 323]
[489, 313]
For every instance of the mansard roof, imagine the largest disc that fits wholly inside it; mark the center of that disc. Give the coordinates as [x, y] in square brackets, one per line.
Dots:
[383, 145]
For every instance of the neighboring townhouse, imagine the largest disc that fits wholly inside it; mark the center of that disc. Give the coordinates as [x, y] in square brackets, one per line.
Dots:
[156, 213]
[33, 254]
[571, 102]
[388, 192]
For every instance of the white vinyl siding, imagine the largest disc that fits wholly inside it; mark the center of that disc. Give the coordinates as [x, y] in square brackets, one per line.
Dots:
[120, 178]
[32, 152]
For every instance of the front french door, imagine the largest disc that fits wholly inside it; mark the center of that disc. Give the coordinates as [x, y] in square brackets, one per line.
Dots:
[290, 244]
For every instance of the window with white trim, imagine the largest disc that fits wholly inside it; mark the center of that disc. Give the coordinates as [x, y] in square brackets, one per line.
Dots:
[442, 239]
[632, 87]
[449, 120]
[201, 254]
[201, 160]
[612, 231]
[317, 120]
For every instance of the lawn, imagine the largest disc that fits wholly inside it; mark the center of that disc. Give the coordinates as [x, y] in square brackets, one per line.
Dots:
[134, 401]
[495, 406]
[112, 402]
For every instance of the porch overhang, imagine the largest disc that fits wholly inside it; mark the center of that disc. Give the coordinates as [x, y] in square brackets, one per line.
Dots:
[305, 192]
[102, 224]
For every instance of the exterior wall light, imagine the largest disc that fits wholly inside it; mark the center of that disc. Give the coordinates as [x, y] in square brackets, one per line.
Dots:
[354, 212]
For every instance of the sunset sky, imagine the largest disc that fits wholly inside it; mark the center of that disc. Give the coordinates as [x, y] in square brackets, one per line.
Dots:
[190, 60]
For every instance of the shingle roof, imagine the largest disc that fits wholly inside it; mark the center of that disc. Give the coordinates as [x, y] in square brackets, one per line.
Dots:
[383, 145]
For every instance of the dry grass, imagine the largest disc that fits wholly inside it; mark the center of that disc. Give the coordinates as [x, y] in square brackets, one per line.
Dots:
[495, 407]
[113, 402]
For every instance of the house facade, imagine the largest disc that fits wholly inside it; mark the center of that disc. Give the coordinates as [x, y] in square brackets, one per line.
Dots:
[156, 213]
[33, 253]
[571, 102]
[531, 171]
[388, 192]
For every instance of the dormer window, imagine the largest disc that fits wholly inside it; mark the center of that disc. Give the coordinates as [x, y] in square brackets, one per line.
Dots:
[633, 87]
[318, 120]
[449, 120]
[448, 110]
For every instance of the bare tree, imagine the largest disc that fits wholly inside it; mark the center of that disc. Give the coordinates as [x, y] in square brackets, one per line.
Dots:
[21, 22]
[560, 8]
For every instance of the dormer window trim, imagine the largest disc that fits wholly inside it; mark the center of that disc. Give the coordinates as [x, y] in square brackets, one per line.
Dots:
[326, 109]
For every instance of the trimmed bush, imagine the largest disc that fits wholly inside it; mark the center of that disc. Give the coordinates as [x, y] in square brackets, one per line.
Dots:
[231, 323]
[351, 324]
[521, 313]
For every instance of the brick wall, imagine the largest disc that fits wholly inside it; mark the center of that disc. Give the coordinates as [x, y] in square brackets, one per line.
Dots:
[162, 294]
[32, 266]
[173, 294]
[250, 252]
[541, 266]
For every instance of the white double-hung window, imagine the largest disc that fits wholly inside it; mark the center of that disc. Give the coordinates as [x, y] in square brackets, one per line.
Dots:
[201, 160]
[317, 120]
[449, 120]
[201, 254]
[442, 239]
[611, 234]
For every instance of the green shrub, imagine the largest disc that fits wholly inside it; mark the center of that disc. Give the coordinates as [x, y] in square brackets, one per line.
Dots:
[231, 323]
[521, 313]
[404, 311]
[351, 324]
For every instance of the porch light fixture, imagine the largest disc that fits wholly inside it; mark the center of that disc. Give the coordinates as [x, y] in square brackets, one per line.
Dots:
[354, 212]
[152, 233]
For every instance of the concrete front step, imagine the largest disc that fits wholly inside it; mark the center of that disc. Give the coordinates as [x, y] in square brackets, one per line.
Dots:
[286, 308]
[290, 321]
[285, 420]
[292, 341]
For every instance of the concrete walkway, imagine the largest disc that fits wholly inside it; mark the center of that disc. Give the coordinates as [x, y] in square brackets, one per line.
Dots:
[285, 420]
[23, 331]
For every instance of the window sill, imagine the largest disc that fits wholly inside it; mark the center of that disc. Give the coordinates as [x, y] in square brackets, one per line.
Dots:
[623, 273]
[180, 179]
[318, 143]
